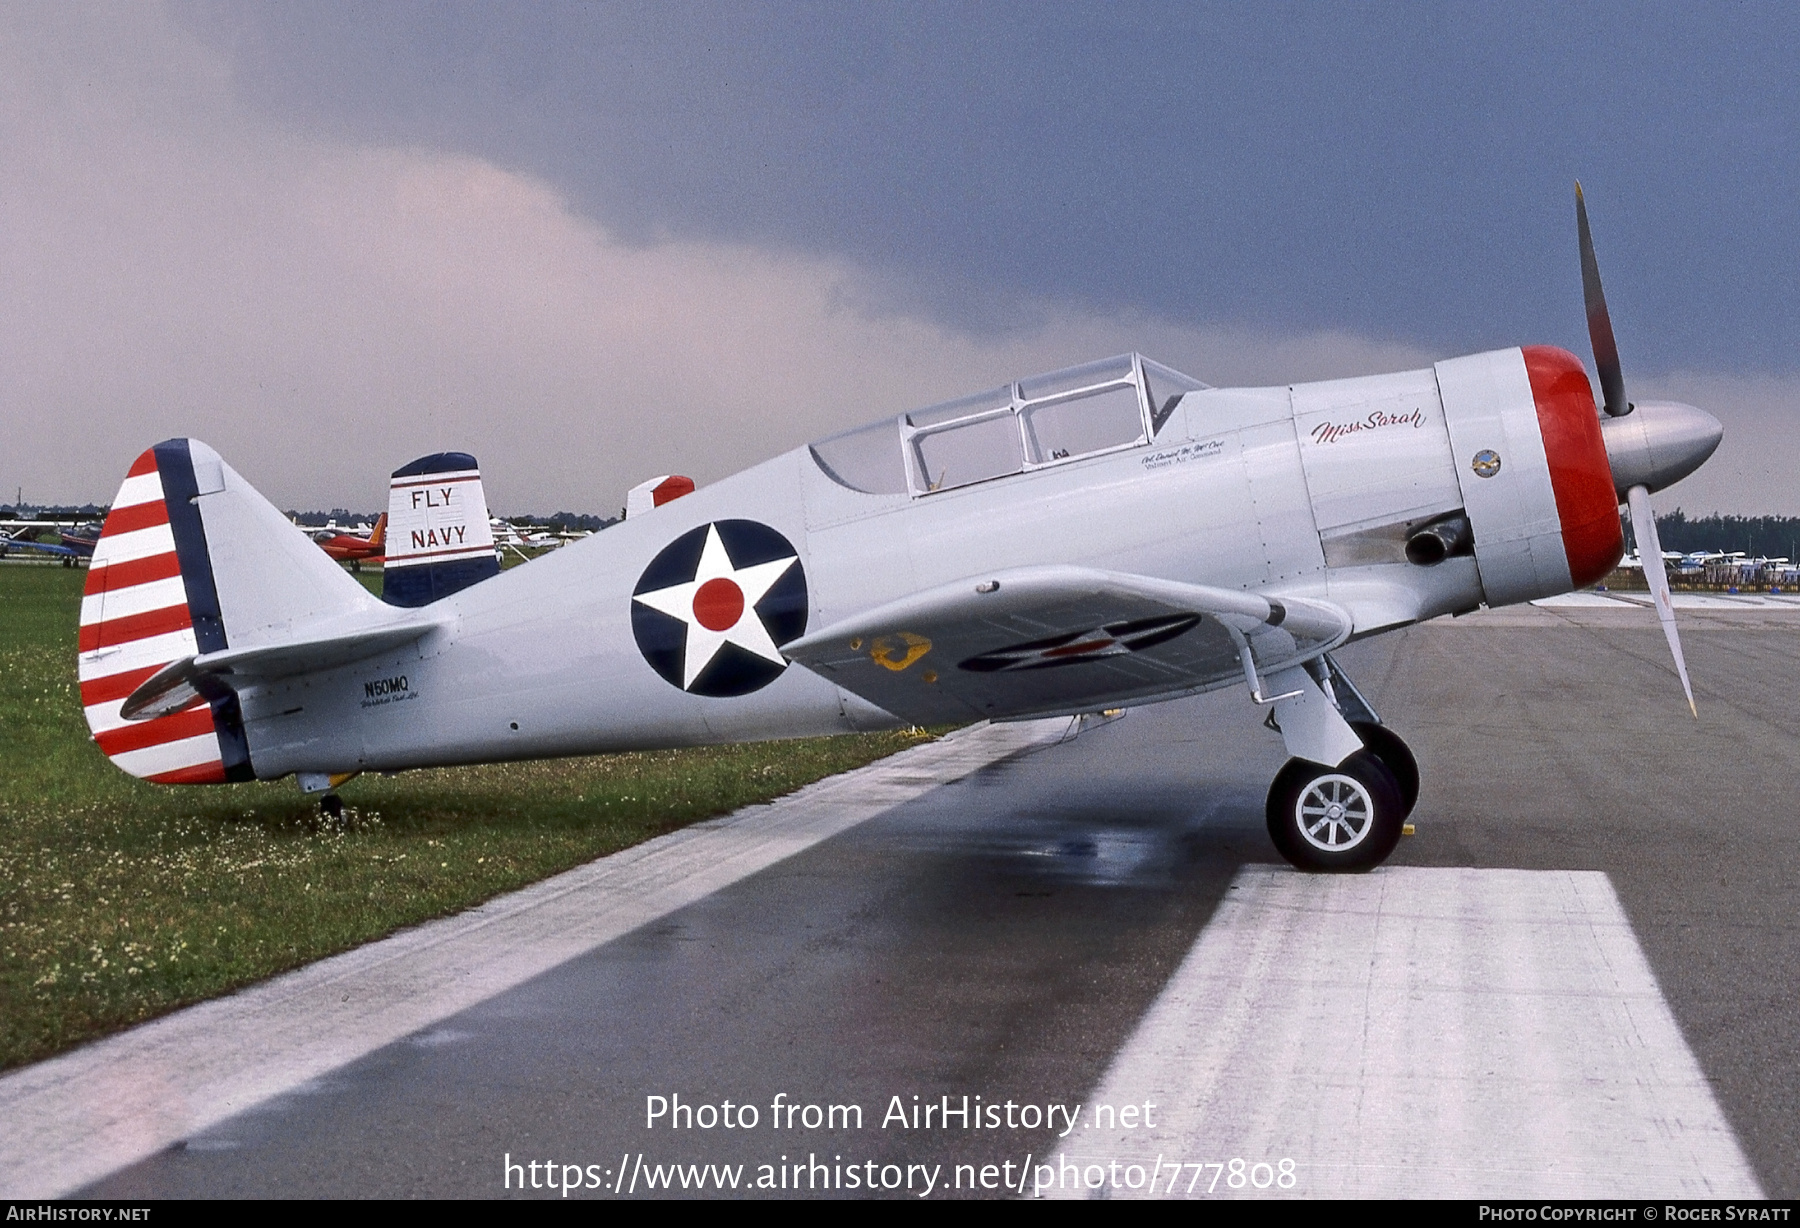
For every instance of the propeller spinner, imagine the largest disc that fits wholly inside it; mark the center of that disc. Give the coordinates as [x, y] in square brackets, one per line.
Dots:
[1649, 446]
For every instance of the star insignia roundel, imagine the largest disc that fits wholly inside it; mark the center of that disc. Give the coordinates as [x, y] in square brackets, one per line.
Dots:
[713, 608]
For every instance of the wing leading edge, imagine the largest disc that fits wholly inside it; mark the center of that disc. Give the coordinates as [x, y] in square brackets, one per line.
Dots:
[1039, 641]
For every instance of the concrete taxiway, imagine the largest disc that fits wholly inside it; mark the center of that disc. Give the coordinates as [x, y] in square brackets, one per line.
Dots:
[1577, 979]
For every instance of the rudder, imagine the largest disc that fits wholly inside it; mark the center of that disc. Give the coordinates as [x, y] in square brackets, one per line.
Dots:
[158, 591]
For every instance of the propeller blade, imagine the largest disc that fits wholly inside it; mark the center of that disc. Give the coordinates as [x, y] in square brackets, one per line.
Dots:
[1600, 330]
[1643, 523]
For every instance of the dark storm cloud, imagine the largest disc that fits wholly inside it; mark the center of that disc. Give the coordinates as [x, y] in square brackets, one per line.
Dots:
[1403, 171]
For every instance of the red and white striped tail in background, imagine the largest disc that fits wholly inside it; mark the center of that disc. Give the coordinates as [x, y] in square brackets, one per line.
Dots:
[134, 621]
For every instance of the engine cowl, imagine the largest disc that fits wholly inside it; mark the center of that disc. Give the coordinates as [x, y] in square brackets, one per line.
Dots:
[1537, 485]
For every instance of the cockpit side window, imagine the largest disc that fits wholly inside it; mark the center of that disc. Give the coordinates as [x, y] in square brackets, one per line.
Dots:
[969, 452]
[1083, 424]
[870, 459]
[1164, 387]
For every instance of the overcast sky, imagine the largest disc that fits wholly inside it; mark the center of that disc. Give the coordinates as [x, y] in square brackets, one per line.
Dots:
[594, 243]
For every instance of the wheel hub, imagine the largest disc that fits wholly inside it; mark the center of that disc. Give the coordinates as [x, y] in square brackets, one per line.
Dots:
[1335, 813]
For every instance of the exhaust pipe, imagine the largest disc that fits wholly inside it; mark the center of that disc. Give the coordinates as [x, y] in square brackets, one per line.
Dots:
[1438, 540]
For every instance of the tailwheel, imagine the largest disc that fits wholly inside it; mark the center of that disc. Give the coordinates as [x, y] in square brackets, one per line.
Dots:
[1396, 757]
[1336, 819]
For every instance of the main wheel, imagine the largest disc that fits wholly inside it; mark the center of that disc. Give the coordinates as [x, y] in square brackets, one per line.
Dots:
[1344, 818]
[1396, 757]
[331, 806]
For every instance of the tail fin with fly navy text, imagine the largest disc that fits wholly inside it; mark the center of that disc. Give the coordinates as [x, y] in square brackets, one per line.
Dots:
[438, 537]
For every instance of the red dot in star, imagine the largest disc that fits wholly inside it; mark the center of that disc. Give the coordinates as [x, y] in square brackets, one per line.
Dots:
[718, 604]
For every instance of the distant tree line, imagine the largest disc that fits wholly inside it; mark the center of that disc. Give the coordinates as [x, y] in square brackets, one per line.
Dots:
[344, 516]
[1770, 536]
[560, 522]
[566, 522]
[51, 511]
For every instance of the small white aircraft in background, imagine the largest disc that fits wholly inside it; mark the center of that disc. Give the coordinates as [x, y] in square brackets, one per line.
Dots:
[75, 539]
[1113, 534]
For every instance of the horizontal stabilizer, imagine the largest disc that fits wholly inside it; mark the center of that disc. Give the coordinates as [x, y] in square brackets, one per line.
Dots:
[211, 675]
[1042, 640]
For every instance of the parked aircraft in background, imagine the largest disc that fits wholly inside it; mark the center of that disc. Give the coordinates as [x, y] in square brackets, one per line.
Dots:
[1113, 534]
[70, 547]
[82, 541]
[354, 549]
[648, 496]
[520, 538]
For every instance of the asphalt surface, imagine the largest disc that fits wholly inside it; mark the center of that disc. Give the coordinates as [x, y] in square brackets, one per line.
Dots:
[1002, 937]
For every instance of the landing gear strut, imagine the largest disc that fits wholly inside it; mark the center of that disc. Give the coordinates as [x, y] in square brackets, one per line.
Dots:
[1348, 817]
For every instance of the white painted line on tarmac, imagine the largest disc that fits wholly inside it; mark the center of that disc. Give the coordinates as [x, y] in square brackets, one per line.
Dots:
[1599, 601]
[1413, 1033]
[72, 1119]
[1681, 601]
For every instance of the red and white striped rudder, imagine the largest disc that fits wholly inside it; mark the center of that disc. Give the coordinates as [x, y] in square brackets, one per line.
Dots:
[136, 617]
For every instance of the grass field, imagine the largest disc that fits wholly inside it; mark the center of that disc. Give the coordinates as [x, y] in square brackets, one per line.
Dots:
[121, 900]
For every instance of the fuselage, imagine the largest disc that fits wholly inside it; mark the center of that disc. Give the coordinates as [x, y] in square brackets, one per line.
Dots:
[1308, 489]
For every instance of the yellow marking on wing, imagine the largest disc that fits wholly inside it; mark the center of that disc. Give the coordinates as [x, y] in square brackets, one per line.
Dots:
[897, 656]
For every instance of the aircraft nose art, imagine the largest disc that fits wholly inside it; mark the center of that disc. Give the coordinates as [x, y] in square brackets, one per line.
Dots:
[713, 607]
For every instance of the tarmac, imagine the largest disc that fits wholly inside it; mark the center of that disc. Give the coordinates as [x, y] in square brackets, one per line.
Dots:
[1022, 964]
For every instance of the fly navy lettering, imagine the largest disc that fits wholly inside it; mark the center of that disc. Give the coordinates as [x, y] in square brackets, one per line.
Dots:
[453, 535]
[712, 609]
[1331, 432]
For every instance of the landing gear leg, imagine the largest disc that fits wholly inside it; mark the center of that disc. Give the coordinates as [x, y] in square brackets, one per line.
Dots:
[1346, 817]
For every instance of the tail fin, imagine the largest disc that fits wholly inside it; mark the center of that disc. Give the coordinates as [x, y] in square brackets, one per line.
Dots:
[192, 560]
[379, 536]
[648, 496]
[438, 536]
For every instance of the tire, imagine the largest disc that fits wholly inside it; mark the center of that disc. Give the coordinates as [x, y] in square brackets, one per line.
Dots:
[1343, 819]
[1396, 756]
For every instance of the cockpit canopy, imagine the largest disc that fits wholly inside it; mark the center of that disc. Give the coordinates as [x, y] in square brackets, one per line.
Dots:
[1029, 424]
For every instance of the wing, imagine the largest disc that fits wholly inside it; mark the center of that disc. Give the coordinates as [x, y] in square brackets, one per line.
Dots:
[1037, 641]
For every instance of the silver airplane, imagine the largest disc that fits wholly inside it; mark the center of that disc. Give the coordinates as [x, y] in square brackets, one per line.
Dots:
[1104, 536]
